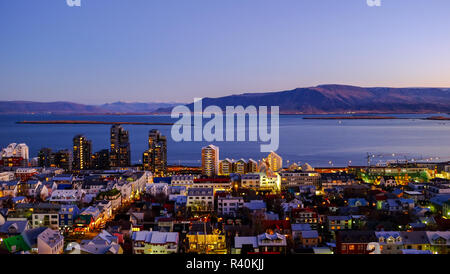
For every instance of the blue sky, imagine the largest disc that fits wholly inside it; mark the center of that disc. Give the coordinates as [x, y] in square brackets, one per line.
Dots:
[175, 50]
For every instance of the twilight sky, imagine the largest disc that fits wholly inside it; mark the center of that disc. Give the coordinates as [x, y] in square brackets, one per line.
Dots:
[175, 50]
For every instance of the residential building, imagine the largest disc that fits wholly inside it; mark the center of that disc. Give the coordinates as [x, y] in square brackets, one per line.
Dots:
[155, 242]
[14, 155]
[82, 153]
[210, 160]
[252, 166]
[120, 152]
[155, 158]
[229, 205]
[50, 242]
[203, 239]
[275, 161]
[240, 166]
[100, 159]
[225, 167]
[354, 242]
[200, 199]
[336, 223]
[182, 180]
[299, 178]
[272, 243]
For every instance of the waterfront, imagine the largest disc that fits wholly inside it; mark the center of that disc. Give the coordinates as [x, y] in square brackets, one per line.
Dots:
[314, 141]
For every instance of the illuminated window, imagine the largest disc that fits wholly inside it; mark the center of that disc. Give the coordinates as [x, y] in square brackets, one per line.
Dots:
[351, 247]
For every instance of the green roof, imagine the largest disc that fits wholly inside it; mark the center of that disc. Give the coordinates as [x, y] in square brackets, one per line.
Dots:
[17, 241]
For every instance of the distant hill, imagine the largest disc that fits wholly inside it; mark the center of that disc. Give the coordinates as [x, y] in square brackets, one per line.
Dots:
[18, 107]
[322, 99]
[341, 99]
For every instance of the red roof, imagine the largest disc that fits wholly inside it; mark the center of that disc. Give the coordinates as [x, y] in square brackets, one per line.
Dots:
[276, 224]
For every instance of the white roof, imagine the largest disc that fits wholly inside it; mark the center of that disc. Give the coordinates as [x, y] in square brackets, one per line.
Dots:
[155, 237]
[272, 238]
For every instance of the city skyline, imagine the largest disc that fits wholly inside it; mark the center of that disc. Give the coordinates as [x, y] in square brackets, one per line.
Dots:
[172, 51]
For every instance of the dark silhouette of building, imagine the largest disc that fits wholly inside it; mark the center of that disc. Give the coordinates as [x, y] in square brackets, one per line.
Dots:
[100, 159]
[46, 157]
[120, 147]
[61, 159]
[82, 152]
[155, 158]
[64, 159]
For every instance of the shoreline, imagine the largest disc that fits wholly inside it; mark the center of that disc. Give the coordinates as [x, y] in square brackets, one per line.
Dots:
[64, 122]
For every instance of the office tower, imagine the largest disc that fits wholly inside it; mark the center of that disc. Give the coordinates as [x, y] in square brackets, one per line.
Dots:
[63, 159]
[210, 160]
[275, 161]
[225, 167]
[155, 158]
[120, 154]
[82, 152]
[100, 159]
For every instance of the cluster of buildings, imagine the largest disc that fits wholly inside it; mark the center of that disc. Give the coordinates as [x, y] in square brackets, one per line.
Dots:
[103, 205]
[117, 156]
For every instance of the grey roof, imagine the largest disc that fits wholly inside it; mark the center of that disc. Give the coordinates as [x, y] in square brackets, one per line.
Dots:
[240, 241]
[200, 191]
[51, 237]
[30, 236]
[414, 237]
[155, 237]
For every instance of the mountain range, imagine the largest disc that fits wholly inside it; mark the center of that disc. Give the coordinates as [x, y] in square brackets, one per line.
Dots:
[323, 99]
[335, 99]
[20, 107]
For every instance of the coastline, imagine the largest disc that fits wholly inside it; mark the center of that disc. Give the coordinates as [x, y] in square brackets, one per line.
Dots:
[94, 123]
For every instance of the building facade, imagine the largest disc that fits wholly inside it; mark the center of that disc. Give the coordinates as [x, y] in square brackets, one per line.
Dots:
[155, 158]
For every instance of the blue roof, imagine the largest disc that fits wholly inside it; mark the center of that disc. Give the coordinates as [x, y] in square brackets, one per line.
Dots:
[354, 201]
[397, 191]
[30, 236]
[21, 225]
[10, 183]
[440, 199]
[255, 205]
[18, 198]
[64, 186]
[167, 180]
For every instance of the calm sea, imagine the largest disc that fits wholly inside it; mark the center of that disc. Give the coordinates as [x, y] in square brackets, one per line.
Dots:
[313, 141]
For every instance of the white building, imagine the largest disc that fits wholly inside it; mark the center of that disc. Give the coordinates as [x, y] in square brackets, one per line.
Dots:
[6, 176]
[67, 195]
[200, 198]
[50, 242]
[275, 161]
[261, 181]
[154, 242]
[158, 189]
[229, 205]
[210, 160]
[15, 150]
[9, 188]
[182, 180]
